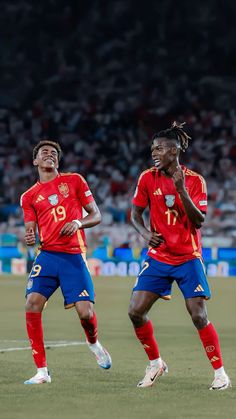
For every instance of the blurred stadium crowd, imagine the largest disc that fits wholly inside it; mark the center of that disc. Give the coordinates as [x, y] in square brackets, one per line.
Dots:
[101, 79]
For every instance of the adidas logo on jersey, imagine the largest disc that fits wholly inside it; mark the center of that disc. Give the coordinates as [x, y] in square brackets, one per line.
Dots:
[199, 288]
[84, 293]
[40, 198]
[157, 192]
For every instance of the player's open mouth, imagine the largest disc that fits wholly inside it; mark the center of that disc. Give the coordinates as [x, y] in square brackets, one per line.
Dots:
[157, 162]
[49, 159]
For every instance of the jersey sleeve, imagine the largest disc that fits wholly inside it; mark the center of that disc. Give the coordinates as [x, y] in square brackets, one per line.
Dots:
[27, 208]
[84, 194]
[198, 194]
[140, 198]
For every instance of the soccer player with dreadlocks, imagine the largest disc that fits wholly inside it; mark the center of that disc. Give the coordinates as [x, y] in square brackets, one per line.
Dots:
[177, 200]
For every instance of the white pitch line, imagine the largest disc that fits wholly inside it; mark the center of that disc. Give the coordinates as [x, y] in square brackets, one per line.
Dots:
[47, 346]
[15, 341]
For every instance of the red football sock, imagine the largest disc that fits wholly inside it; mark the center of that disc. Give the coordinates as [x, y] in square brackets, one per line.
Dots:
[91, 328]
[146, 336]
[35, 333]
[210, 341]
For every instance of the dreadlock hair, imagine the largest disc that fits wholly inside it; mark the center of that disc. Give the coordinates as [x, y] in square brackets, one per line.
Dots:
[175, 132]
[50, 143]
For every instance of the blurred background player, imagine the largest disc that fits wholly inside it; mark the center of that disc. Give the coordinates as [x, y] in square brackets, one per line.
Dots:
[177, 200]
[54, 204]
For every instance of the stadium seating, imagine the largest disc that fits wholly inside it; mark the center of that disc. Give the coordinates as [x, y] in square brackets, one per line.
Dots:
[107, 134]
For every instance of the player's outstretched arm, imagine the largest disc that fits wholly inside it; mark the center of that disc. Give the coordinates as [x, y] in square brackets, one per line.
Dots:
[30, 238]
[153, 239]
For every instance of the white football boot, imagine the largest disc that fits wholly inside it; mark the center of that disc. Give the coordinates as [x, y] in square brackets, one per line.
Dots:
[152, 373]
[101, 354]
[41, 377]
[221, 382]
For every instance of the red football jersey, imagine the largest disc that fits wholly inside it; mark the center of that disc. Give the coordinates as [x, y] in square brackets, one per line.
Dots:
[167, 214]
[53, 204]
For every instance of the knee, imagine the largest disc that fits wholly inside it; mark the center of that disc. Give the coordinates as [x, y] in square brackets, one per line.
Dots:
[85, 316]
[199, 319]
[136, 318]
[85, 313]
[34, 304]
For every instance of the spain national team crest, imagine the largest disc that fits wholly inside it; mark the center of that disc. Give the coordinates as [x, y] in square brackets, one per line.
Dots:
[53, 199]
[64, 189]
[170, 200]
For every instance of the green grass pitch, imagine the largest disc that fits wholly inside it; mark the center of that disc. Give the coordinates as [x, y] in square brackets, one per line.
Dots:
[80, 389]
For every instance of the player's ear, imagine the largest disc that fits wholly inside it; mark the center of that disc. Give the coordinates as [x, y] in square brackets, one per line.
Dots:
[175, 150]
[35, 162]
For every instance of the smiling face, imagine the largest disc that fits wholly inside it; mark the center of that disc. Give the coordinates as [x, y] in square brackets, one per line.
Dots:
[165, 153]
[47, 158]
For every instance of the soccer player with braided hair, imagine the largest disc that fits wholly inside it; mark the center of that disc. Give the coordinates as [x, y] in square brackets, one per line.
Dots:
[177, 201]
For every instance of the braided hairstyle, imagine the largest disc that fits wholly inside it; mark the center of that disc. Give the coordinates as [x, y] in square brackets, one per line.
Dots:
[177, 133]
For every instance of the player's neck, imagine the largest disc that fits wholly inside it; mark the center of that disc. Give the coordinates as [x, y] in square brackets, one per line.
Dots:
[47, 175]
[170, 170]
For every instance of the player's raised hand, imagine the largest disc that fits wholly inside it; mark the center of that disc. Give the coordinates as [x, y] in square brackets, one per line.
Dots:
[69, 228]
[178, 179]
[30, 238]
[154, 239]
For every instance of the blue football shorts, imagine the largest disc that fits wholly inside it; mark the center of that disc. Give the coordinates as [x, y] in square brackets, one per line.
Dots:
[158, 277]
[67, 271]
